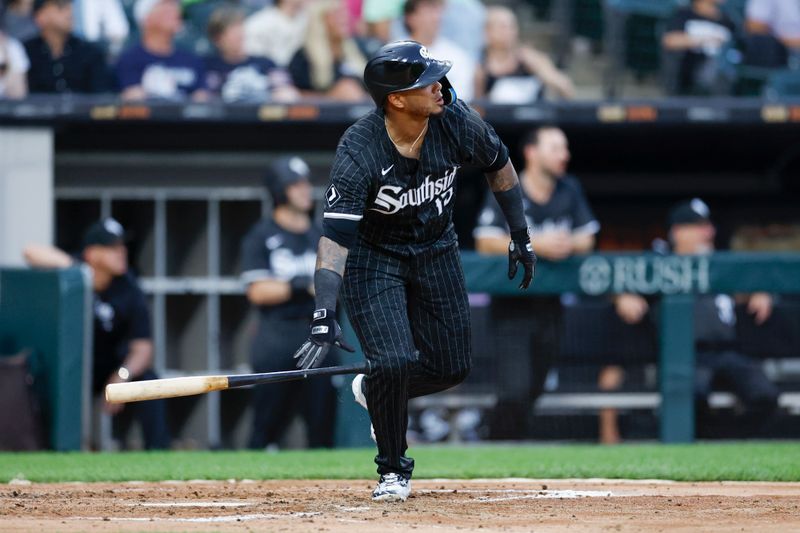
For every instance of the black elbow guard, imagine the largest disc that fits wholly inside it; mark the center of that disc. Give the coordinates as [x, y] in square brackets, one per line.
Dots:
[342, 231]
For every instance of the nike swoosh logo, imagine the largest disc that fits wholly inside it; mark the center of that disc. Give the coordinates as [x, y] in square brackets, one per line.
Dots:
[385, 171]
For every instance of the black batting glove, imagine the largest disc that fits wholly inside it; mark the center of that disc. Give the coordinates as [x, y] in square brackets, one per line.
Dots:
[325, 331]
[520, 250]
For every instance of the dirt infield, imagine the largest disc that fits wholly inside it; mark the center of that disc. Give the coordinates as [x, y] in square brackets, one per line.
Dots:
[440, 505]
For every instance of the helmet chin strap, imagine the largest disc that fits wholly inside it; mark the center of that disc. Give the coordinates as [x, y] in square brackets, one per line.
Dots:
[449, 96]
[448, 92]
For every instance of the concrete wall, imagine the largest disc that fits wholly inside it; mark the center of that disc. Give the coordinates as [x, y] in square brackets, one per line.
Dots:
[26, 190]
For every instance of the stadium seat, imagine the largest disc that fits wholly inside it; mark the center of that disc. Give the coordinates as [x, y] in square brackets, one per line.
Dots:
[632, 37]
[782, 83]
[735, 10]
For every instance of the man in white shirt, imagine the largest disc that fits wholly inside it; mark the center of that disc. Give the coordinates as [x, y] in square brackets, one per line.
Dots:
[276, 32]
[423, 19]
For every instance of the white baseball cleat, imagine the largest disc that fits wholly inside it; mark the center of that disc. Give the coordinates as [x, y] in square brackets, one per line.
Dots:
[361, 399]
[392, 488]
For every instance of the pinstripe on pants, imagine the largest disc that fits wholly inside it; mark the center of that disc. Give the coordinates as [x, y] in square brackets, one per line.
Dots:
[412, 318]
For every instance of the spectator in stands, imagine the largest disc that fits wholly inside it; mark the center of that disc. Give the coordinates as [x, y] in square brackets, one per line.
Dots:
[60, 61]
[719, 363]
[19, 20]
[232, 74]
[330, 64]
[562, 224]
[276, 32]
[155, 68]
[513, 73]
[379, 17]
[13, 65]
[103, 22]
[772, 33]
[698, 33]
[462, 23]
[123, 349]
[422, 19]
[778, 18]
[278, 257]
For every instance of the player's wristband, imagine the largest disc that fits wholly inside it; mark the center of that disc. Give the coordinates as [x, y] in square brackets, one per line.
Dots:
[510, 203]
[326, 288]
[521, 236]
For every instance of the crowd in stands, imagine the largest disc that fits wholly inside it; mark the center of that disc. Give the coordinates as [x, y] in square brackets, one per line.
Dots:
[258, 50]
[283, 50]
[705, 39]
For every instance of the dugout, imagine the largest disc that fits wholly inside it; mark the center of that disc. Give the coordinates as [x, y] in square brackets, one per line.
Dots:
[186, 181]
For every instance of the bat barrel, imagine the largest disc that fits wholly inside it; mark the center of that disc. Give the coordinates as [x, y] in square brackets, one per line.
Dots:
[164, 388]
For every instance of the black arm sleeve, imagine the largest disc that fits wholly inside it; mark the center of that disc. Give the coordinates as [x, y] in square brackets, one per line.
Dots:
[510, 202]
[326, 284]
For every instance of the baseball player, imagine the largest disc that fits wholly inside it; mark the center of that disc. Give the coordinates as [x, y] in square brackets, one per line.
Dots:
[278, 256]
[122, 345]
[388, 240]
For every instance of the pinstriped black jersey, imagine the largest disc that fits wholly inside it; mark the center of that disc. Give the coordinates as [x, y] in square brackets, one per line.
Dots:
[405, 205]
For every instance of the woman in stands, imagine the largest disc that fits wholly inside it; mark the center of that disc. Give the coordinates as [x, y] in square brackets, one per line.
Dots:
[514, 73]
[331, 63]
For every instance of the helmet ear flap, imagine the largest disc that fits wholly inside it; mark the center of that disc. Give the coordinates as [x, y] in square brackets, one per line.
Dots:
[448, 93]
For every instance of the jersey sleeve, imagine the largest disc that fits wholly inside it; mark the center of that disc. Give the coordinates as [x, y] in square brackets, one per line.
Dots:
[140, 316]
[480, 145]
[583, 217]
[255, 264]
[491, 221]
[346, 196]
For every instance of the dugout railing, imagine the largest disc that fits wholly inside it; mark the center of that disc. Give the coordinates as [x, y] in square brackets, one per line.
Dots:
[675, 280]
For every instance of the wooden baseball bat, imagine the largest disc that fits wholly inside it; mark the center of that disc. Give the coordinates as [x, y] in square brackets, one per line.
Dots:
[137, 391]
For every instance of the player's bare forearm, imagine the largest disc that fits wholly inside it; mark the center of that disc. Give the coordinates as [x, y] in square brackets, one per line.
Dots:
[582, 243]
[492, 245]
[504, 179]
[269, 292]
[46, 256]
[331, 256]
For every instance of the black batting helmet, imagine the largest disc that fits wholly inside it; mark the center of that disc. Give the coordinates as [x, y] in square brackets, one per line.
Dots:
[284, 172]
[404, 65]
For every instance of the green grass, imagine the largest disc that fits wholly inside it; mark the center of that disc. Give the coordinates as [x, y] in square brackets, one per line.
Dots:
[751, 461]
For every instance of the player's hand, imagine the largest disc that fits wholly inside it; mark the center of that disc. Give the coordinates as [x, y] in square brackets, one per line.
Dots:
[325, 331]
[631, 308]
[760, 306]
[520, 250]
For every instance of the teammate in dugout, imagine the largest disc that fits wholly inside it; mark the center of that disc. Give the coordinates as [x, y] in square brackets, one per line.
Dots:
[388, 241]
[122, 345]
[559, 214]
[278, 256]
